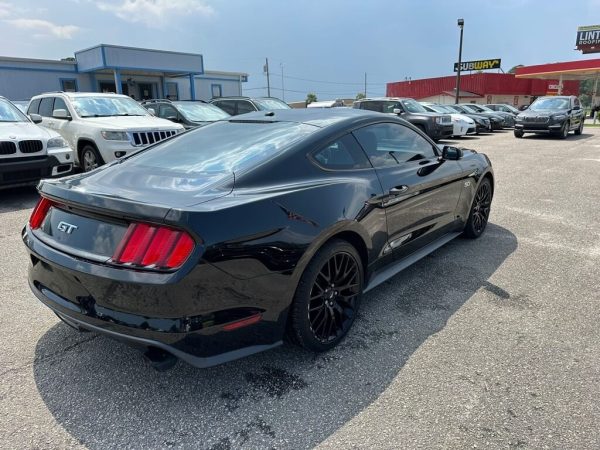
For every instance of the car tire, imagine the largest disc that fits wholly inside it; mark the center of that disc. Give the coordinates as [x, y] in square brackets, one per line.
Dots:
[480, 210]
[564, 131]
[518, 133]
[579, 129]
[321, 313]
[89, 158]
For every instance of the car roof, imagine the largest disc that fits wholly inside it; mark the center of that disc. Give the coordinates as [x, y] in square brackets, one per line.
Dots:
[319, 117]
[81, 94]
[384, 98]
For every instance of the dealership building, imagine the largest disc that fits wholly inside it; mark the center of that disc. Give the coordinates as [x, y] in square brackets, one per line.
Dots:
[481, 88]
[138, 72]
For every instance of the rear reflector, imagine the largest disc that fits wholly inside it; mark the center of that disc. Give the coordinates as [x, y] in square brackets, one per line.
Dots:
[39, 212]
[153, 247]
[243, 322]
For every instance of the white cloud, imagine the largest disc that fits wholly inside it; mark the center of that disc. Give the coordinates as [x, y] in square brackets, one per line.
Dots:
[43, 28]
[155, 13]
[6, 9]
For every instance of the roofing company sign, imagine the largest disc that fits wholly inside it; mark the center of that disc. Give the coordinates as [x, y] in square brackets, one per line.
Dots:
[484, 64]
[588, 39]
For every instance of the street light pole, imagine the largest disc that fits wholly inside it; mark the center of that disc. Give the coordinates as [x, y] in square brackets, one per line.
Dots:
[461, 24]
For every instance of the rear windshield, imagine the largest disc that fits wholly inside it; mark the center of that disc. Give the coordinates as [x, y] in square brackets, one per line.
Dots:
[201, 112]
[231, 146]
[270, 104]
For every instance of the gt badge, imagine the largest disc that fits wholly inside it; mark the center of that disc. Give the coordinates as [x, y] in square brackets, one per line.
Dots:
[66, 227]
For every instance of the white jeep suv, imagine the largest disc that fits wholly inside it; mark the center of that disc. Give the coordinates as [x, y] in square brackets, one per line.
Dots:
[100, 127]
[29, 153]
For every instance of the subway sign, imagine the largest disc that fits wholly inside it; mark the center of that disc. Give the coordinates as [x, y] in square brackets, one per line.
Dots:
[588, 39]
[484, 64]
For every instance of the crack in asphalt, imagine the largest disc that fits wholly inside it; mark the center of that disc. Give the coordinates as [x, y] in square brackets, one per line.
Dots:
[42, 359]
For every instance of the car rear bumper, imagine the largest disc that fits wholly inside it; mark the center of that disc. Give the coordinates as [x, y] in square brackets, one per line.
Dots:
[28, 171]
[202, 327]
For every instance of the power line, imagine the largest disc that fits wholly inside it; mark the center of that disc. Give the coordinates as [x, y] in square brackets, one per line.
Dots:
[338, 83]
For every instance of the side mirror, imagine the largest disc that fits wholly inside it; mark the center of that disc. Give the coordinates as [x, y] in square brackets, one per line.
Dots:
[576, 108]
[451, 153]
[60, 114]
[152, 111]
[35, 118]
[397, 111]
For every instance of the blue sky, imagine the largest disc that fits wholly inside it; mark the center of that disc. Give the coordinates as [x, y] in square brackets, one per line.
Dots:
[333, 42]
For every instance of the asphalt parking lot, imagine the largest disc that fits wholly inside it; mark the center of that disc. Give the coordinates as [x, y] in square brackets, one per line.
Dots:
[492, 343]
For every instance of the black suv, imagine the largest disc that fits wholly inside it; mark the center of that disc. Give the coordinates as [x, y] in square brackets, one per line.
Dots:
[551, 115]
[242, 105]
[190, 114]
[436, 126]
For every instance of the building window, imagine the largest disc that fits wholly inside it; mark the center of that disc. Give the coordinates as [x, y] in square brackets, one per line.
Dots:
[68, 84]
[216, 90]
[172, 91]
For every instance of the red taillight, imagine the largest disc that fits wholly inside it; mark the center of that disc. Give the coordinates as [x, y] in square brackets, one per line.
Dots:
[39, 212]
[155, 247]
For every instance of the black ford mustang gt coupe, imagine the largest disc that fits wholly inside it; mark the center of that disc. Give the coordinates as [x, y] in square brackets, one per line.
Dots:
[217, 243]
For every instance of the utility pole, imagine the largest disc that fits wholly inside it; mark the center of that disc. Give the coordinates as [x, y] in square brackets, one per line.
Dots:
[461, 24]
[365, 84]
[282, 86]
[268, 79]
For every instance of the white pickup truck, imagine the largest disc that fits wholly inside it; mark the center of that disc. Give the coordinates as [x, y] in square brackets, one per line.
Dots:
[100, 127]
[28, 152]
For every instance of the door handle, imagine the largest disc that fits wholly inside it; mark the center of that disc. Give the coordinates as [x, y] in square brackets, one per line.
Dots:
[398, 190]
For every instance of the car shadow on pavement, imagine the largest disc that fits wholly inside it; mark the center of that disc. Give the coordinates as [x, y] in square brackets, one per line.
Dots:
[18, 198]
[106, 396]
[571, 137]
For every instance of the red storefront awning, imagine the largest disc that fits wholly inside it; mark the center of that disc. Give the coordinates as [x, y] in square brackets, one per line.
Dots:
[571, 70]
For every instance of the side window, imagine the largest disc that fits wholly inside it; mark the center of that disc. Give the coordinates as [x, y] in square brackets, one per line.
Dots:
[59, 103]
[34, 106]
[172, 91]
[46, 107]
[68, 84]
[227, 106]
[372, 106]
[342, 154]
[388, 107]
[576, 103]
[245, 107]
[216, 90]
[167, 111]
[391, 144]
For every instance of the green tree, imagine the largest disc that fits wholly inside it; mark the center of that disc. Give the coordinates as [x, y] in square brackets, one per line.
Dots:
[360, 95]
[69, 58]
[310, 98]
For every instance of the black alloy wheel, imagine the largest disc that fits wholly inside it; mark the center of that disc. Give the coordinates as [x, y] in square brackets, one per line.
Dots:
[519, 133]
[579, 129]
[564, 131]
[480, 210]
[327, 297]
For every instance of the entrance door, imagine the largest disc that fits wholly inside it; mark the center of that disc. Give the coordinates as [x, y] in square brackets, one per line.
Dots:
[145, 91]
[109, 87]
